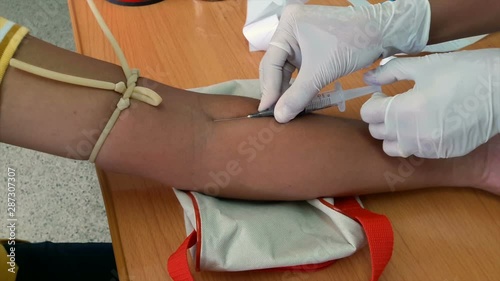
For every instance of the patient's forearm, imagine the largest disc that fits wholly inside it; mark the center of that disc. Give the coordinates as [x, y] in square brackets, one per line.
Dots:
[260, 159]
[316, 156]
[178, 143]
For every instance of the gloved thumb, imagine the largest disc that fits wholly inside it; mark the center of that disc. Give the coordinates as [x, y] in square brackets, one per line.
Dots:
[295, 99]
[395, 70]
[275, 73]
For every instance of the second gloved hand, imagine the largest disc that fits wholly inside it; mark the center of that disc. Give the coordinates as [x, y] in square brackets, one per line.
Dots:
[328, 42]
[453, 108]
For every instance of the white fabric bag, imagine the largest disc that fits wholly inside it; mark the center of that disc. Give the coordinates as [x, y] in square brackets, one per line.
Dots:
[238, 235]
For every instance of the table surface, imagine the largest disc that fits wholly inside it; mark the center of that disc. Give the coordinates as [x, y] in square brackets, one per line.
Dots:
[440, 234]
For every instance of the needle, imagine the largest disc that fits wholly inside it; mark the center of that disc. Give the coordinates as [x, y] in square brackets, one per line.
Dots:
[265, 113]
[231, 119]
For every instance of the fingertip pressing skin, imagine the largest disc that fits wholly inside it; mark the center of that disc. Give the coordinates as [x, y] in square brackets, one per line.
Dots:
[373, 111]
[282, 114]
[378, 131]
[391, 148]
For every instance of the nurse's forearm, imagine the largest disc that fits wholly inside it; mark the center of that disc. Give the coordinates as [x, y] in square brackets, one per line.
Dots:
[454, 19]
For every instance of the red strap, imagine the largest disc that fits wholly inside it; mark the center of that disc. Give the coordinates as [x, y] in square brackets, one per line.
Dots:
[378, 231]
[302, 267]
[177, 265]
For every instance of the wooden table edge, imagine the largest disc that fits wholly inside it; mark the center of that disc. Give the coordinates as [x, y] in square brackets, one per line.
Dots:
[121, 265]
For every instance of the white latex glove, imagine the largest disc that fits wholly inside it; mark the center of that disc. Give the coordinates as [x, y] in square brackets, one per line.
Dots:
[327, 42]
[453, 108]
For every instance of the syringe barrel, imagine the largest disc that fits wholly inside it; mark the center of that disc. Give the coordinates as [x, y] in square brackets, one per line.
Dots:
[319, 102]
[338, 97]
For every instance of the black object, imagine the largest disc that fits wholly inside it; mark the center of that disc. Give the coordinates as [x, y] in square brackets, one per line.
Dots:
[134, 2]
[65, 261]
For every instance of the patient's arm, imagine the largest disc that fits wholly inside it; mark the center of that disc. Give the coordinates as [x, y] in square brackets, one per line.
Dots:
[177, 143]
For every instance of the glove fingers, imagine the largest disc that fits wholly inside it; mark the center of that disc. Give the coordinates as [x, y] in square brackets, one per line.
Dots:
[288, 70]
[379, 131]
[295, 99]
[373, 111]
[271, 73]
[394, 70]
[392, 148]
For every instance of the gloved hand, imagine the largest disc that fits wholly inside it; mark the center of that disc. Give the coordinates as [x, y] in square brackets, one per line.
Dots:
[453, 108]
[327, 42]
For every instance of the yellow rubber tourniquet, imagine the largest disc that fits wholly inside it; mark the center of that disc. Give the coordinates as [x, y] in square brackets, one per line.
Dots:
[128, 89]
[9, 44]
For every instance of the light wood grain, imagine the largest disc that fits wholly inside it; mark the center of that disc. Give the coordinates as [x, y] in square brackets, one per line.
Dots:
[440, 234]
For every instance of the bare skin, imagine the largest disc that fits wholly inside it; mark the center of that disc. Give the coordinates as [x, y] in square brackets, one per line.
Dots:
[462, 18]
[491, 178]
[178, 143]
[233, 161]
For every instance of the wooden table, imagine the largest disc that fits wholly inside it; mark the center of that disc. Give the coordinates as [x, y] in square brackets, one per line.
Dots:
[441, 234]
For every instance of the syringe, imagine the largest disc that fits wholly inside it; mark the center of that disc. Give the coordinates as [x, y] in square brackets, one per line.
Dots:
[336, 97]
